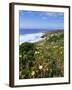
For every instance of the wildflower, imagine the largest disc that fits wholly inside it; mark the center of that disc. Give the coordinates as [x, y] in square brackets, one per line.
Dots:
[33, 73]
[54, 46]
[40, 67]
[36, 52]
[52, 42]
[56, 34]
[47, 69]
[47, 47]
[61, 47]
[61, 52]
[52, 35]
[48, 59]
[47, 38]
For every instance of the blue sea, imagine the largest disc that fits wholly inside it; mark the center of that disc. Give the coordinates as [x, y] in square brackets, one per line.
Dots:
[30, 31]
[32, 35]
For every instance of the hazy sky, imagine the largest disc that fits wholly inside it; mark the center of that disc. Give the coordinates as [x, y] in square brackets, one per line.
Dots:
[41, 20]
[33, 23]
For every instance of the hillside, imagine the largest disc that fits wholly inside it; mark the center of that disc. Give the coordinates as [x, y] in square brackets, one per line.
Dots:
[44, 58]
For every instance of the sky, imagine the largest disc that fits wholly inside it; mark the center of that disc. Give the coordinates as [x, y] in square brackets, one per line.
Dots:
[33, 23]
[41, 20]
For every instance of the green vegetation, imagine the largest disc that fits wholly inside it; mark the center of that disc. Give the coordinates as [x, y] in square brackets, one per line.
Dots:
[43, 59]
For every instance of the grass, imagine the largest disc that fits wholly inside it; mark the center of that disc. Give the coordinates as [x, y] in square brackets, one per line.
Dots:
[43, 59]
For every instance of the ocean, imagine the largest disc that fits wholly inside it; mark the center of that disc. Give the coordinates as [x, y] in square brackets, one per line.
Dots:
[32, 35]
[30, 31]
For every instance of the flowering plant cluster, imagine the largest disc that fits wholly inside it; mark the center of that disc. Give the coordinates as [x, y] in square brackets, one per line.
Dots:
[44, 58]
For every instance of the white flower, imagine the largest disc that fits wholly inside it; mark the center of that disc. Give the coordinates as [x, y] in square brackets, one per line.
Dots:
[47, 38]
[54, 46]
[61, 52]
[52, 35]
[56, 34]
[40, 67]
[47, 47]
[33, 72]
[36, 52]
[47, 69]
